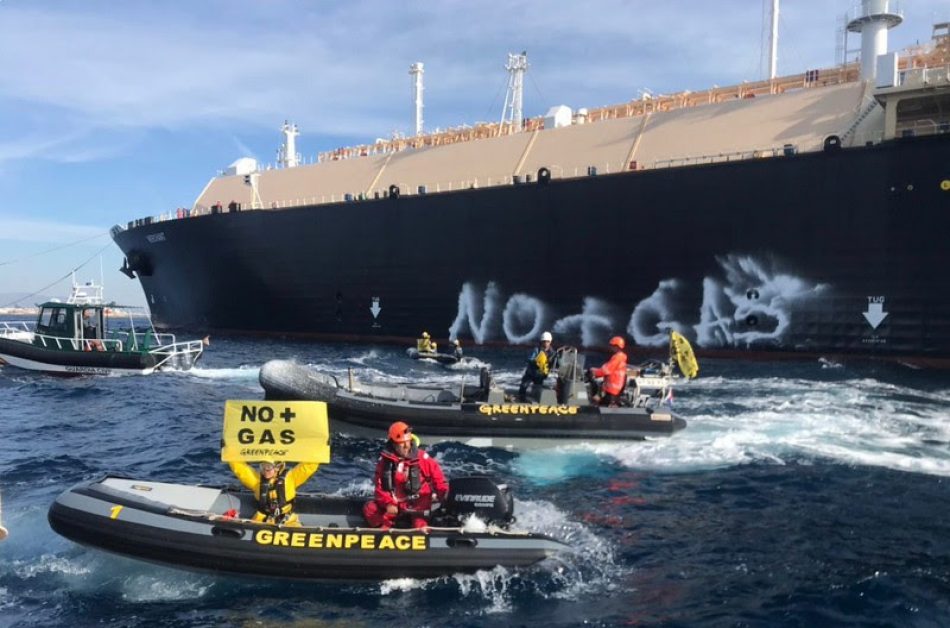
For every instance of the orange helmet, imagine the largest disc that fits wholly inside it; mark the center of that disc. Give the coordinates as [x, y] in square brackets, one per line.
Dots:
[617, 341]
[399, 432]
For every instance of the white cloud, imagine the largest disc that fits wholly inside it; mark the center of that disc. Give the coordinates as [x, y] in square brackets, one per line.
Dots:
[87, 73]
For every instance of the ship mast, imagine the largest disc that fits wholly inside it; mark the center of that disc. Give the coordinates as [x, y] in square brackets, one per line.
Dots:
[416, 71]
[513, 111]
[773, 42]
[872, 19]
[287, 156]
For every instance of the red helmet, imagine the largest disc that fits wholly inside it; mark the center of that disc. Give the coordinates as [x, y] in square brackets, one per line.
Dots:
[399, 432]
[617, 341]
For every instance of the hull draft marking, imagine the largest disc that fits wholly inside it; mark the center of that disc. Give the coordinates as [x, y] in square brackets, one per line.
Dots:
[375, 309]
[746, 303]
[875, 313]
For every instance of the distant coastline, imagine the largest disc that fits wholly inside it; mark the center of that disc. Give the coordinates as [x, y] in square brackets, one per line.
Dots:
[110, 312]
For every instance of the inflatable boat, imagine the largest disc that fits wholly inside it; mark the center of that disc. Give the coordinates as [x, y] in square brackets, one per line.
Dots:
[208, 529]
[480, 413]
[442, 358]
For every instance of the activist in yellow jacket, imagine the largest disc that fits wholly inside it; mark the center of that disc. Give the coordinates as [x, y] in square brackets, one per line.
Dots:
[275, 488]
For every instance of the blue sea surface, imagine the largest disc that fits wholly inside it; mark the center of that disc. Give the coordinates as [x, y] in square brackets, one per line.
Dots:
[801, 494]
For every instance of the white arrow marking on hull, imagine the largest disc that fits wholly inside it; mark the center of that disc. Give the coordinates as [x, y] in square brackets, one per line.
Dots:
[375, 309]
[875, 314]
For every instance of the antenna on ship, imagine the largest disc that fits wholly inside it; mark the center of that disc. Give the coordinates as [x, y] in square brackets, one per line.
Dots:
[872, 19]
[416, 72]
[287, 155]
[517, 65]
[773, 42]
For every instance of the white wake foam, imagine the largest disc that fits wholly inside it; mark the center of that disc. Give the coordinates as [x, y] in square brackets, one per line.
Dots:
[239, 373]
[589, 566]
[859, 422]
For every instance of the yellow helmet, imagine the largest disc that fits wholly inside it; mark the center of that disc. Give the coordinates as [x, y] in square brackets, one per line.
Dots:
[270, 462]
[425, 334]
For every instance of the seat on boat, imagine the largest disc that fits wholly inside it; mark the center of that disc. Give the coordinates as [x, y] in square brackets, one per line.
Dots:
[447, 396]
[496, 396]
[548, 397]
[422, 395]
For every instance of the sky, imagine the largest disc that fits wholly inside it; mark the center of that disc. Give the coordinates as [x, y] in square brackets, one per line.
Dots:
[111, 111]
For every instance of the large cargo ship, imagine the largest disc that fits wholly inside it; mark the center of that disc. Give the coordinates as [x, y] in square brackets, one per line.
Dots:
[806, 215]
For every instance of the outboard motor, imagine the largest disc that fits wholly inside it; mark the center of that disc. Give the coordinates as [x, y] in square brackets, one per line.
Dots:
[479, 496]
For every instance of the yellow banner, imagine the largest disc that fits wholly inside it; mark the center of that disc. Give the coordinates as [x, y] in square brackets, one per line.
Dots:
[289, 431]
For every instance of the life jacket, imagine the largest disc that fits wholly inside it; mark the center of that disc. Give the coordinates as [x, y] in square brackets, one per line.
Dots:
[614, 373]
[272, 501]
[393, 464]
[426, 345]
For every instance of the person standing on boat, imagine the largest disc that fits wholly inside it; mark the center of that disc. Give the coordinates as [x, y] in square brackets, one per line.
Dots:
[425, 344]
[540, 362]
[614, 372]
[457, 348]
[275, 488]
[407, 479]
[90, 332]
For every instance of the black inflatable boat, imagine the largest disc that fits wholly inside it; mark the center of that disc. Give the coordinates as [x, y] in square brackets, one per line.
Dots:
[206, 529]
[442, 358]
[482, 414]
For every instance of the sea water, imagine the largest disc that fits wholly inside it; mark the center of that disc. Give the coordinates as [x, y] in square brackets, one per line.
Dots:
[802, 493]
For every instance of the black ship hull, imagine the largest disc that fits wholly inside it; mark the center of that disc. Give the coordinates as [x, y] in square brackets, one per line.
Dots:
[832, 253]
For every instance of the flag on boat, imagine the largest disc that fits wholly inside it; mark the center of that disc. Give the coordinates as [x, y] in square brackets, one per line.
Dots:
[669, 396]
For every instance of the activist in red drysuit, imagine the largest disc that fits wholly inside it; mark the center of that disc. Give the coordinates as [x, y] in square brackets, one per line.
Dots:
[614, 372]
[406, 479]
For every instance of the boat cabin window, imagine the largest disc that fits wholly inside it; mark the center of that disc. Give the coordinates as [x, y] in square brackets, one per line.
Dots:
[53, 321]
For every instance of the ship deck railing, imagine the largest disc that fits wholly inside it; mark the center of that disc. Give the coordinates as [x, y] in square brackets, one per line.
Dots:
[169, 351]
[17, 330]
[151, 341]
[497, 180]
[17, 326]
[923, 63]
[61, 343]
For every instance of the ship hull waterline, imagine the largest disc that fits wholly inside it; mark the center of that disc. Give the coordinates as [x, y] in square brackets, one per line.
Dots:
[835, 253]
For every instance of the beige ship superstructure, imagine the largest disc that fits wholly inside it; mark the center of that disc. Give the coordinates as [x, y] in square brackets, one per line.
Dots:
[761, 120]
